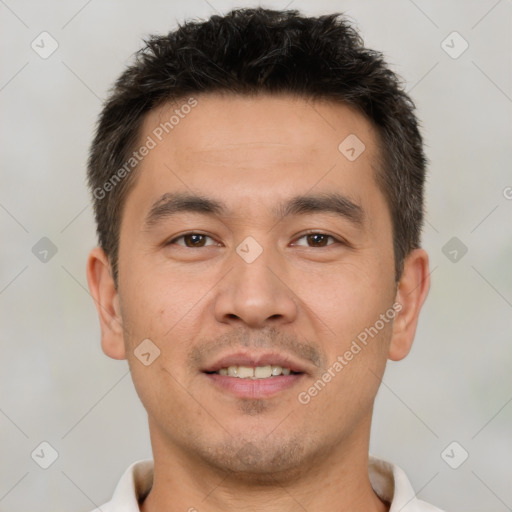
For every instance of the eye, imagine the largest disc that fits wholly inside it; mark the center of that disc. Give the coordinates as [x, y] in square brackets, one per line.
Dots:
[191, 240]
[318, 239]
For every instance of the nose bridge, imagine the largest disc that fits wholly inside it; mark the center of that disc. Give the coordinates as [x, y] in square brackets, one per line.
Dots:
[253, 292]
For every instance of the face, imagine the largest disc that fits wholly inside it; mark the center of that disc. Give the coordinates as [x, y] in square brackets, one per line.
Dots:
[282, 259]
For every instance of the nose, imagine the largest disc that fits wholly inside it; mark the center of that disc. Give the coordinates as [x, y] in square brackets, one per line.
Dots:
[256, 294]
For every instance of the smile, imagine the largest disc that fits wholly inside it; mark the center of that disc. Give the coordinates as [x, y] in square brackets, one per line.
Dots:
[258, 372]
[260, 382]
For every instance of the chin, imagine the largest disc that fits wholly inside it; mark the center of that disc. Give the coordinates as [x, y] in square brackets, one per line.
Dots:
[257, 460]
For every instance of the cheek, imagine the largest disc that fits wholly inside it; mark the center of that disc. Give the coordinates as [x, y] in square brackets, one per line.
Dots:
[165, 322]
[348, 300]
[345, 392]
[159, 320]
[155, 303]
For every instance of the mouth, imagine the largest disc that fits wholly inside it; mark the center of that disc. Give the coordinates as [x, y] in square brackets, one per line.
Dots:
[255, 376]
[258, 372]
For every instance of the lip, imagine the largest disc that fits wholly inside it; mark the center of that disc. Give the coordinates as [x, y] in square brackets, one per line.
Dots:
[254, 388]
[254, 359]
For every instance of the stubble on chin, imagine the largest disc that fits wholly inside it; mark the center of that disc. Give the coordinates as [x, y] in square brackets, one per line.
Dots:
[259, 461]
[250, 407]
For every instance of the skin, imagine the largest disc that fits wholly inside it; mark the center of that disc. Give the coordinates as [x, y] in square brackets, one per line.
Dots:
[308, 298]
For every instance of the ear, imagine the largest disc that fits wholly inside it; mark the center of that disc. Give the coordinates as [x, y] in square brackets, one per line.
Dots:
[412, 291]
[106, 298]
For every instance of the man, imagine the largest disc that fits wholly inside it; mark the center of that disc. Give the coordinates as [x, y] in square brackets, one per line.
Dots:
[258, 191]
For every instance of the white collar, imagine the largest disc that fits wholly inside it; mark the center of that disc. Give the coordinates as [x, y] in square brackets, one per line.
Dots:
[389, 482]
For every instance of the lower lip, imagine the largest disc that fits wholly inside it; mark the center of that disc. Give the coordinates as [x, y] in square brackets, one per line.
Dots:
[254, 388]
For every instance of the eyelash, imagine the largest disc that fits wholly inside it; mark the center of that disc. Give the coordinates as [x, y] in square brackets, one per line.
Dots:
[173, 241]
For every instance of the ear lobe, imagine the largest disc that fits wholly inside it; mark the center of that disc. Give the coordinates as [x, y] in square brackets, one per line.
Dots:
[412, 291]
[106, 299]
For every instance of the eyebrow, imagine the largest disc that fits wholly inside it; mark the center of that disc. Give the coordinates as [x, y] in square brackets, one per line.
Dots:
[171, 204]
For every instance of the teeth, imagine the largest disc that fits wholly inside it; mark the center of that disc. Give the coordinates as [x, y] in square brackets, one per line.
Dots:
[276, 370]
[245, 371]
[259, 372]
[263, 372]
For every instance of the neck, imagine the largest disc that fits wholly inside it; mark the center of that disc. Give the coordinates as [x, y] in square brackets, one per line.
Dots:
[335, 481]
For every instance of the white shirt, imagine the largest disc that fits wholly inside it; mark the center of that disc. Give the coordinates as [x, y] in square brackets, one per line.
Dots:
[389, 482]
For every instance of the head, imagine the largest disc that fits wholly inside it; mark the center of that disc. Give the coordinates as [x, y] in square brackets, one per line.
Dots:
[257, 181]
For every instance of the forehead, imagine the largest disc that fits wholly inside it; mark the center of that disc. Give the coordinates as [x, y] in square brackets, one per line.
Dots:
[253, 149]
[227, 127]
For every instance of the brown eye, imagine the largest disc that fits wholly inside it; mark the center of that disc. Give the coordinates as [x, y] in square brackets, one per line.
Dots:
[317, 239]
[191, 240]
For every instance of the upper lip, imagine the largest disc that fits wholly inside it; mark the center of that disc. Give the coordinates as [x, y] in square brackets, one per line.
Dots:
[253, 359]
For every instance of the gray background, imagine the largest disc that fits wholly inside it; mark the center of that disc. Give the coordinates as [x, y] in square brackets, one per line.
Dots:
[57, 386]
